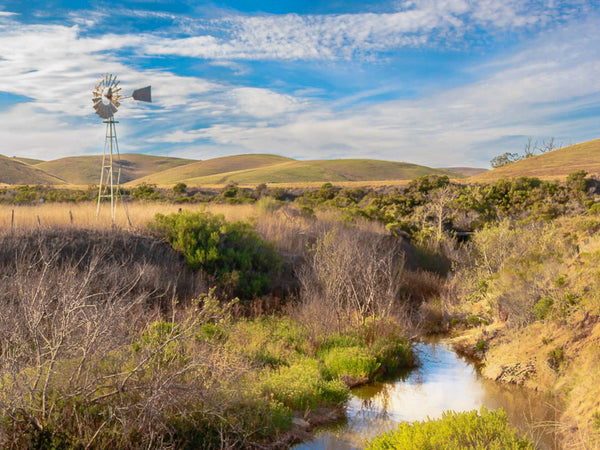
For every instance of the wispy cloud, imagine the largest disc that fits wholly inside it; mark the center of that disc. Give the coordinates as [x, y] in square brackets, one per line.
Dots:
[332, 36]
[552, 76]
[535, 90]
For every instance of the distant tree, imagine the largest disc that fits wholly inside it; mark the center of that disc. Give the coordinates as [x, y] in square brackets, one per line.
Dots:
[576, 181]
[529, 149]
[505, 159]
[145, 191]
[548, 146]
[180, 188]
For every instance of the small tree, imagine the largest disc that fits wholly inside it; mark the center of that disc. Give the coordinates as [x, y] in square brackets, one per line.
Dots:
[576, 181]
[505, 159]
[180, 188]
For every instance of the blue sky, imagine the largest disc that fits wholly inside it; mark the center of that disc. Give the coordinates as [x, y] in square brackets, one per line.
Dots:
[434, 82]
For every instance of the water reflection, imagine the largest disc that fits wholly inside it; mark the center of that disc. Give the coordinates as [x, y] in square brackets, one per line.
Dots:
[442, 382]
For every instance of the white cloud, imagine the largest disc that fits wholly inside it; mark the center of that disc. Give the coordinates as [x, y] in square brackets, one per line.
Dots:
[334, 36]
[533, 93]
[30, 132]
[523, 94]
[263, 103]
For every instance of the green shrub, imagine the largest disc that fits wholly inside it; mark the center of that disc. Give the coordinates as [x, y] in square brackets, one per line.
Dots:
[266, 342]
[393, 354]
[233, 252]
[543, 308]
[301, 386]
[356, 362]
[145, 191]
[467, 430]
[162, 341]
[180, 188]
[556, 357]
[480, 346]
[475, 321]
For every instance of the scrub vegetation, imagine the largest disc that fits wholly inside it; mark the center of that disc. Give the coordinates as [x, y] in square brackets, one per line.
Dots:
[224, 316]
[114, 339]
[468, 430]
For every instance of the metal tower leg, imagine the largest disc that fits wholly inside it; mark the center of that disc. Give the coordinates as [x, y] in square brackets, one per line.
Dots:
[109, 187]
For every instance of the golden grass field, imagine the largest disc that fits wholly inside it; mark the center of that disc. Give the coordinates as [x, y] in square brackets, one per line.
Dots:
[554, 165]
[83, 215]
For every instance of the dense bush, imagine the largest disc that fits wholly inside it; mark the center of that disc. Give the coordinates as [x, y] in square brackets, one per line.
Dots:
[517, 271]
[232, 252]
[300, 386]
[467, 430]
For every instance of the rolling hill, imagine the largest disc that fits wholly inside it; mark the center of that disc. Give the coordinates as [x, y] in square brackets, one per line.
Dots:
[13, 171]
[84, 170]
[556, 164]
[466, 171]
[29, 161]
[213, 167]
[277, 169]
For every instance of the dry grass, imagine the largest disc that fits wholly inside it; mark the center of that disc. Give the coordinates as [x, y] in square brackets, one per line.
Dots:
[552, 165]
[85, 170]
[83, 215]
[13, 171]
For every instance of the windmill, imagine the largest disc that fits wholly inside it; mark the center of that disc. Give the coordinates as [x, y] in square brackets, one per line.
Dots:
[107, 98]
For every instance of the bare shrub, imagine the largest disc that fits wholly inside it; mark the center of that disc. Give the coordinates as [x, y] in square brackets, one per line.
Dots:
[88, 359]
[349, 277]
[81, 367]
[109, 260]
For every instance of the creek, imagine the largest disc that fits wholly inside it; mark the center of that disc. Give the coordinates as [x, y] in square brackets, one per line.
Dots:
[442, 381]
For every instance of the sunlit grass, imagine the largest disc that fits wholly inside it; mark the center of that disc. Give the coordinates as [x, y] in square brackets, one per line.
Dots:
[83, 215]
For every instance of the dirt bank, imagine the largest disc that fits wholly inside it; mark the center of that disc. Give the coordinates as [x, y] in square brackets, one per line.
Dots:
[561, 359]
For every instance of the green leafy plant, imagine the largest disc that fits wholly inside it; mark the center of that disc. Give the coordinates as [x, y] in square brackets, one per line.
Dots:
[301, 386]
[356, 362]
[478, 430]
[556, 357]
[543, 308]
[232, 252]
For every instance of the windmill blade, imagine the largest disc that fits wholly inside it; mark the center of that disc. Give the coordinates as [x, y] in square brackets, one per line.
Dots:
[143, 95]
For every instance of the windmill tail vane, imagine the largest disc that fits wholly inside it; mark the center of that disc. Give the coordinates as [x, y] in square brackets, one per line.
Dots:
[106, 99]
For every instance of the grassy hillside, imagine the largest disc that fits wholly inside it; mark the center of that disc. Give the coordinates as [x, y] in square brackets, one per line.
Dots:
[214, 166]
[286, 170]
[552, 165]
[13, 171]
[30, 161]
[466, 171]
[84, 170]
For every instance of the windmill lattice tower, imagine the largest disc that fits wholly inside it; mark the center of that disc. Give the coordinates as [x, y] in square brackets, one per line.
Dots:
[106, 97]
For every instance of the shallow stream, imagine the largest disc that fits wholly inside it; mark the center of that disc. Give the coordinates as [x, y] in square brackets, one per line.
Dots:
[443, 381]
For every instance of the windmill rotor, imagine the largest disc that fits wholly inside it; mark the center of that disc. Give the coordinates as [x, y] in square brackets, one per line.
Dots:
[107, 97]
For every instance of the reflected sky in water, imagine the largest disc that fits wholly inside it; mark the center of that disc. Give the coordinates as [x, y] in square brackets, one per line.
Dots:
[442, 382]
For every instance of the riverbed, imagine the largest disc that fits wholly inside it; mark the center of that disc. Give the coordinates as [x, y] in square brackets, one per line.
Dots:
[443, 381]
